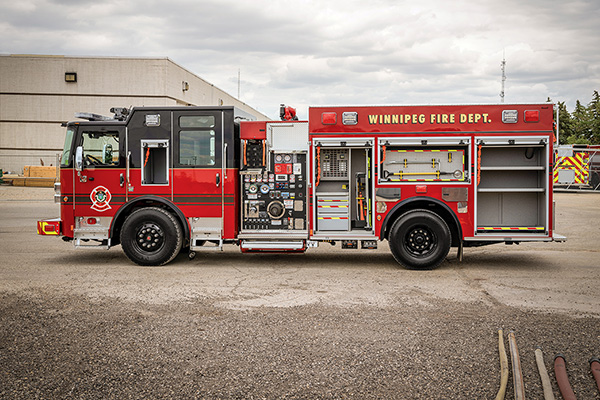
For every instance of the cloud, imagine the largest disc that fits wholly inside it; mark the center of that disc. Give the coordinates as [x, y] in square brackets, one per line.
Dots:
[336, 52]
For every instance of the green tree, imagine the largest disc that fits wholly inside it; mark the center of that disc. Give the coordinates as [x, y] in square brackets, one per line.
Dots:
[565, 122]
[581, 125]
[594, 116]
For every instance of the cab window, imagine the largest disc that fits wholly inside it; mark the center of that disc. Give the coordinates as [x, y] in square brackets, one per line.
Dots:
[100, 149]
[197, 144]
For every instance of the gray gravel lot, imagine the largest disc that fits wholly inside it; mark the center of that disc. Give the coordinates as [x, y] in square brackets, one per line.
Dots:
[331, 323]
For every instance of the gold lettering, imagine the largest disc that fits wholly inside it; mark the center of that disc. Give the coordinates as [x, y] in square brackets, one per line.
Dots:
[433, 117]
[485, 118]
[470, 118]
[414, 118]
[477, 117]
[422, 118]
[444, 118]
[452, 118]
[387, 119]
[407, 118]
[463, 118]
[372, 119]
[395, 119]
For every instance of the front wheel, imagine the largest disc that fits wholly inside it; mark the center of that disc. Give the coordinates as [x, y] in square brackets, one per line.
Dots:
[151, 236]
[420, 239]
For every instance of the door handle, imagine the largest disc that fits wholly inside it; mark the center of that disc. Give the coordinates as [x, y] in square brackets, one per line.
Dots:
[218, 179]
[122, 180]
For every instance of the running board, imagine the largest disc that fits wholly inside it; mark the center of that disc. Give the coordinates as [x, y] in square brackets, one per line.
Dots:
[248, 246]
[206, 244]
[84, 243]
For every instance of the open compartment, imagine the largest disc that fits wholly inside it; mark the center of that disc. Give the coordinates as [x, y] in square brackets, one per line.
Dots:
[344, 189]
[155, 162]
[512, 186]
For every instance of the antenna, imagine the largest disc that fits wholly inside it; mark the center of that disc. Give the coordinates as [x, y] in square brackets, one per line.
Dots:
[503, 66]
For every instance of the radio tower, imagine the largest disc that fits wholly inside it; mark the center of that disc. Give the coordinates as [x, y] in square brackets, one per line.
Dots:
[503, 65]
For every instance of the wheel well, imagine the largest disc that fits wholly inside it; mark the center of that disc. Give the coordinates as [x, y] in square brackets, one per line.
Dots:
[425, 203]
[144, 202]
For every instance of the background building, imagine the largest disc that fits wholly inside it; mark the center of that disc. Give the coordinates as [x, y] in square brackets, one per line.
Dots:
[38, 93]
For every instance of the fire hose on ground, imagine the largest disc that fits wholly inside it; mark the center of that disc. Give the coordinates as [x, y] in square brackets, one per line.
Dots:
[518, 384]
[560, 370]
[546, 385]
[503, 367]
[595, 367]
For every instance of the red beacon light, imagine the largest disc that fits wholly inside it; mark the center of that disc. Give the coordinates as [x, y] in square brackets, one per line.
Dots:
[329, 118]
[532, 116]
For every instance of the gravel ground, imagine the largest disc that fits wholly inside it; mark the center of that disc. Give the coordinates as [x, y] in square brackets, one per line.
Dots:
[69, 347]
[89, 325]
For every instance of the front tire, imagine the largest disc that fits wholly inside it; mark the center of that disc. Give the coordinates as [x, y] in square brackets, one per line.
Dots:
[420, 239]
[151, 237]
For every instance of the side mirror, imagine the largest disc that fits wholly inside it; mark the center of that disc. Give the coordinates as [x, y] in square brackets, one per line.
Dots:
[79, 159]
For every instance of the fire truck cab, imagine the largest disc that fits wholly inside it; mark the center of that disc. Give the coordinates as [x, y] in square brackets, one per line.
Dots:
[161, 180]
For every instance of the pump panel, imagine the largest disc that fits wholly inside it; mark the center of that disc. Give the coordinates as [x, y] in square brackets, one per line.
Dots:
[274, 198]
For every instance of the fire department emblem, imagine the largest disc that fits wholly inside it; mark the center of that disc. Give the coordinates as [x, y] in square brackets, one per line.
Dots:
[100, 197]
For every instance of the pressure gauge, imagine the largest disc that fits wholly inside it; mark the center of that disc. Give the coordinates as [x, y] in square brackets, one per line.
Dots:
[278, 158]
[287, 158]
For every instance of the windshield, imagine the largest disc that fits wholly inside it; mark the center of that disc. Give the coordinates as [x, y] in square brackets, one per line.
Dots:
[65, 159]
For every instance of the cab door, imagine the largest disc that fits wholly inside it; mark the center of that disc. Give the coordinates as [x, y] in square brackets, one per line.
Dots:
[99, 188]
[198, 174]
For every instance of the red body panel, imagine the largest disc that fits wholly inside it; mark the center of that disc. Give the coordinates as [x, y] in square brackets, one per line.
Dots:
[472, 121]
[429, 120]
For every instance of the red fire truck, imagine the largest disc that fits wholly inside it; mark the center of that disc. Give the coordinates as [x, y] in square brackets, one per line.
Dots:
[160, 180]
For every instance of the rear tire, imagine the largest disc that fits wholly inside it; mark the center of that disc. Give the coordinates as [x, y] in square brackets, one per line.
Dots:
[420, 239]
[151, 237]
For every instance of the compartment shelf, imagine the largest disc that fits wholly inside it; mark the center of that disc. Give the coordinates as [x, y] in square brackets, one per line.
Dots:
[510, 190]
[513, 168]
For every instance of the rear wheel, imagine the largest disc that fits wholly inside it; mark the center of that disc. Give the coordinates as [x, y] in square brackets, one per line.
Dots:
[151, 236]
[420, 239]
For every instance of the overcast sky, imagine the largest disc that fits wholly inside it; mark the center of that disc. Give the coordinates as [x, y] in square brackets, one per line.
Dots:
[335, 52]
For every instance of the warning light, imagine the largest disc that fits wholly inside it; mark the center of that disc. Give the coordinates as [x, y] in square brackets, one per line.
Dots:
[421, 189]
[532, 116]
[329, 118]
[510, 116]
[92, 221]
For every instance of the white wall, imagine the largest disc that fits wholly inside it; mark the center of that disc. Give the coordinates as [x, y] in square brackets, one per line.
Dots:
[35, 99]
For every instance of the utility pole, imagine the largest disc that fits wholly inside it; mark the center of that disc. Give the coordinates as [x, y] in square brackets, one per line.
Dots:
[503, 65]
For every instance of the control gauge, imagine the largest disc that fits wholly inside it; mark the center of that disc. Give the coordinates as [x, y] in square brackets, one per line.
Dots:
[275, 209]
[253, 189]
[264, 189]
[278, 158]
[287, 158]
